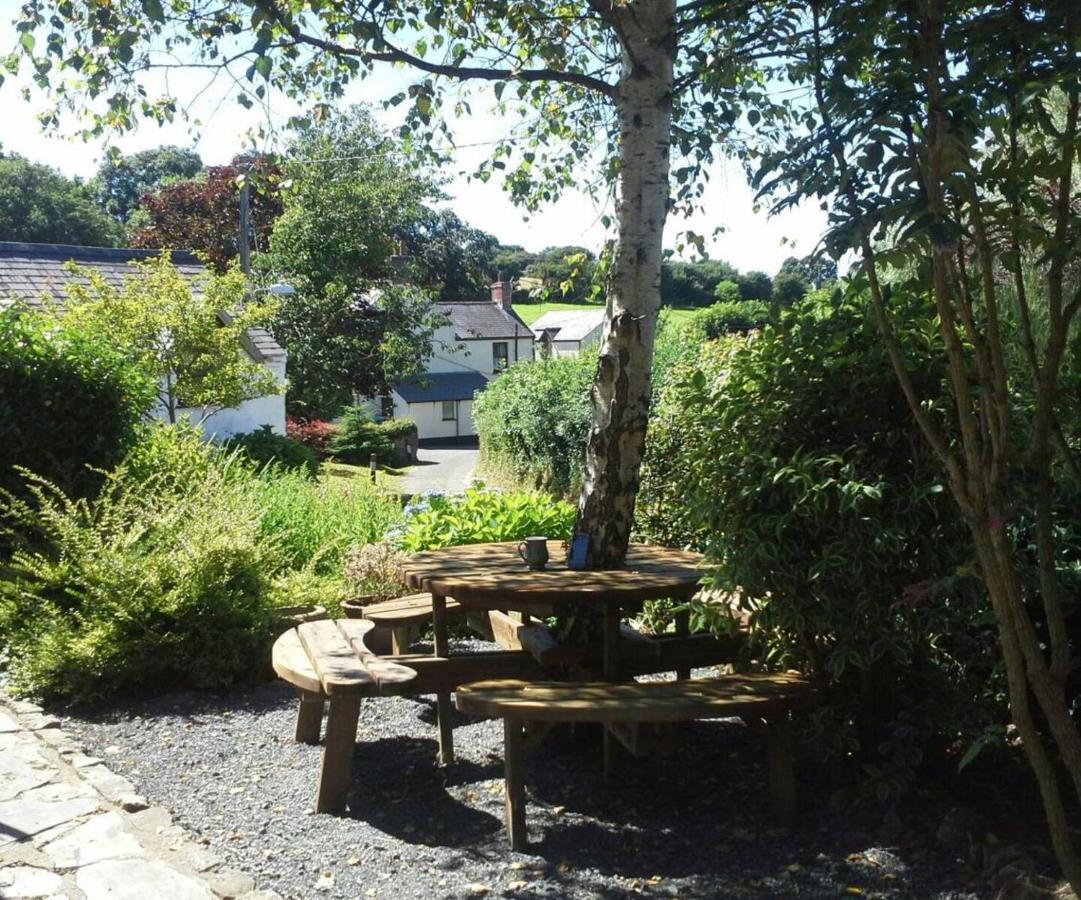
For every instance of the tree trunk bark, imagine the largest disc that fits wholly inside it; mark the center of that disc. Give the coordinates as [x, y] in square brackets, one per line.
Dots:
[621, 386]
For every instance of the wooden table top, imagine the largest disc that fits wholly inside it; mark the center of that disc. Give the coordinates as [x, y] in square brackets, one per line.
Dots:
[480, 575]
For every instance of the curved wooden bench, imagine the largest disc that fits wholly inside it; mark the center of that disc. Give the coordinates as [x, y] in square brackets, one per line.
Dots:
[763, 701]
[403, 615]
[331, 661]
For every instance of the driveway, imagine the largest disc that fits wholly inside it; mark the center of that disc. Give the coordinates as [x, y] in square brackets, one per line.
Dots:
[447, 469]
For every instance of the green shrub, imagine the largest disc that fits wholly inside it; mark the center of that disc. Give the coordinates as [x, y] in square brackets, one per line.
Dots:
[358, 438]
[152, 585]
[729, 317]
[264, 447]
[68, 404]
[480, 516]
[792, 461]
[534, 419]
[314, 523]
[398, 428]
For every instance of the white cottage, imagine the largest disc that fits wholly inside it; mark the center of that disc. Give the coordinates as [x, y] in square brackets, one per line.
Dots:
[567, 332]
[30, 273]
[479, 340]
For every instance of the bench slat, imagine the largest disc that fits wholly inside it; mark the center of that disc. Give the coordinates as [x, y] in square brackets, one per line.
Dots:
[416, 609]
[390, 677]
[658, 701]
[291, 662]
[337, 664]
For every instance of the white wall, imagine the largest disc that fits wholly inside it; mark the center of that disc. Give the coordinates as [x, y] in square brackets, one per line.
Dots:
[450, 355]
[250, 415]
[429, 419]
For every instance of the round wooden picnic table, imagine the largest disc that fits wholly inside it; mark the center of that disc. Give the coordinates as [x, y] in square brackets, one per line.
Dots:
[494, 577]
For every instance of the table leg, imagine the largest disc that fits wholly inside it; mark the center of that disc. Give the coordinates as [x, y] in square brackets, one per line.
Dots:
[443, 707]
[683, 629]
[337, 754]
[612, 638]
[309, 717]
[514, 776]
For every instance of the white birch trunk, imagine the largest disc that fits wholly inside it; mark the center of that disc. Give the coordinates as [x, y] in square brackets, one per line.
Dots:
[621, 388]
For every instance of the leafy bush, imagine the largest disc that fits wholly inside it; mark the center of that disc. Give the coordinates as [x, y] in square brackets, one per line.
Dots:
[315, 434]
[68, 404]
[534, 419]
[729, 317]
[375, 570]
[824, 515]
[264, 447]
[314, 523]
[358, 438]
[479, 516]
[153, 584]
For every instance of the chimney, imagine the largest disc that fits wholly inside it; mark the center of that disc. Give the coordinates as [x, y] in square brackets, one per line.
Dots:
[399, 265]
[501, 293]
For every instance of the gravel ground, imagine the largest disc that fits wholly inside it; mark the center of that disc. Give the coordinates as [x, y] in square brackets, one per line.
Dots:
[690, 824]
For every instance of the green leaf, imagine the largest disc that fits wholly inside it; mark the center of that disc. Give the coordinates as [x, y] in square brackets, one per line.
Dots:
[27, 40]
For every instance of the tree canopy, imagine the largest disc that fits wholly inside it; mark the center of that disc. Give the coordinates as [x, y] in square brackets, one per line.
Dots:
[40, 205]
[123, 179]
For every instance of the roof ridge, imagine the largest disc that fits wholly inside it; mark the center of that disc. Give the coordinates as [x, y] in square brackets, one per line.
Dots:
[76, 251]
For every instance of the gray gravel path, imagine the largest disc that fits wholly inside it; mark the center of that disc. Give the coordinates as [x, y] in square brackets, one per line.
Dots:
[688, 825]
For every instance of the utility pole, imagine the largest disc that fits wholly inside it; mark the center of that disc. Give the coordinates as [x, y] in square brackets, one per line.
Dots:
[244, 238]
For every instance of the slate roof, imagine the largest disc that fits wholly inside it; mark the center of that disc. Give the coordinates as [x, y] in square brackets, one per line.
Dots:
[569, 325]
[431, 387]
[483, 320]
[31, 273]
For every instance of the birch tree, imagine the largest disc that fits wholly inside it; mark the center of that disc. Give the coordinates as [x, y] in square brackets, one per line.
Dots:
[609, 94]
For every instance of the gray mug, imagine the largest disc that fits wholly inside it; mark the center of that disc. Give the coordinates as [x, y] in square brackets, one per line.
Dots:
[534, 550]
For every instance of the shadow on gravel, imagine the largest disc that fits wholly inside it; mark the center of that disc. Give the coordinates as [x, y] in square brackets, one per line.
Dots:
[257, 699]
[398, 789]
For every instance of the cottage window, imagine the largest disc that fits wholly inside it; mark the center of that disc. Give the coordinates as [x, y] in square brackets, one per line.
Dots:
[450, 412]
[500, 360]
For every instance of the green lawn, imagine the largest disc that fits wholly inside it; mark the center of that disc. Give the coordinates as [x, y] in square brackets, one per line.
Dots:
[530, 312]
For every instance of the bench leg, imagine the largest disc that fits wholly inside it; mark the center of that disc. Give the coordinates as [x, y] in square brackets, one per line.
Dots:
[514, 774]
[782, 775]
[338, 754]
[683, 629]
[400, 639]
[309, 717]
[442, 648]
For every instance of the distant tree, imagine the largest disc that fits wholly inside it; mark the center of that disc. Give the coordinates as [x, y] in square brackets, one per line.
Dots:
[814, 270]
[345, 343]
[41, 206]
[755, 286]
[693, 283]
[509, 261]
[122, 180]
[788, 287]
[353, 198]
[178, 333]
[449, 257]
[203, 215]
[727, 292]
[566, 272]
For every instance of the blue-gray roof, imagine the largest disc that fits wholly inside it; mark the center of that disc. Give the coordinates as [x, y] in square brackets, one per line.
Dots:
[31, 274]
[431, 387]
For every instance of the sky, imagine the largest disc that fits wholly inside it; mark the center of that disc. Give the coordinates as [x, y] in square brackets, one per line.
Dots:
[219, 128]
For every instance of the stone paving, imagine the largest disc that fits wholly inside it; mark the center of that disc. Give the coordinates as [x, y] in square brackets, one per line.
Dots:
[70, 828]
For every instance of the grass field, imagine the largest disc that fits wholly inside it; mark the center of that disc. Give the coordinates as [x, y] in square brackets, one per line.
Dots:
[530, 312]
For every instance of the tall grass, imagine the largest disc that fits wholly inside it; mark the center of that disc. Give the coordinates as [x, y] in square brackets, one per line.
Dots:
[315, 522]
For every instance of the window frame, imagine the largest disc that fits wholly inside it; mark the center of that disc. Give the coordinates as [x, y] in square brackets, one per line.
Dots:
[453, 417]
[505, 357]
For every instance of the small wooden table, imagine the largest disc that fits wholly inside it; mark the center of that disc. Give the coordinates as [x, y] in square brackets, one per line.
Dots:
[494, 577]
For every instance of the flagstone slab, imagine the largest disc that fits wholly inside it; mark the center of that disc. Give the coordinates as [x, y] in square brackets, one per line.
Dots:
[28, 881]
[26, 817]
[19, 774]
[102, 837]
[137, 879]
